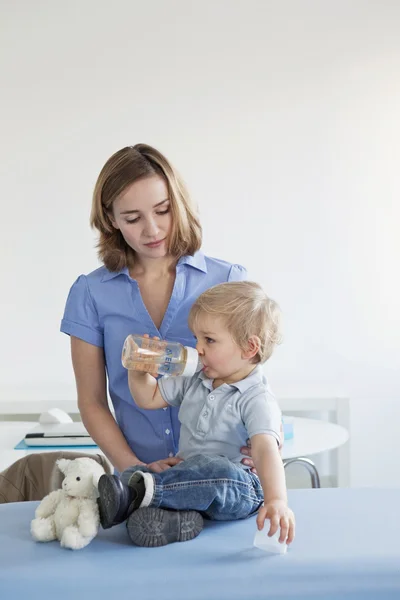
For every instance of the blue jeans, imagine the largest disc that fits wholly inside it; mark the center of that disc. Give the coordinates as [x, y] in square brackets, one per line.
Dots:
[212, 485]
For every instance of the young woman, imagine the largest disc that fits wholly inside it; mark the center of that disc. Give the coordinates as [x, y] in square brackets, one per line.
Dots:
[153, 270]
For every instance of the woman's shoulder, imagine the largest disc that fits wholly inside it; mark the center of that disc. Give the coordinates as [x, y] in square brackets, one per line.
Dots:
[92, 284]
[99, 275]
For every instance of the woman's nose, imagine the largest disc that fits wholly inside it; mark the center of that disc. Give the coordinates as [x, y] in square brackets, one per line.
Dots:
[151, 229]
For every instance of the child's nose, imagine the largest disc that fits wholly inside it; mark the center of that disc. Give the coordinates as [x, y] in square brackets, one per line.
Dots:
[199, 348]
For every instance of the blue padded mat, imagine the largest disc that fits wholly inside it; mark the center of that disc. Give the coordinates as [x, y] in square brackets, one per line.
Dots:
[346, 548]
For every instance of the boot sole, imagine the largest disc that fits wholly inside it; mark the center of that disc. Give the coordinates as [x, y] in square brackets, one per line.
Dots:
[108, 500]
[153, 527]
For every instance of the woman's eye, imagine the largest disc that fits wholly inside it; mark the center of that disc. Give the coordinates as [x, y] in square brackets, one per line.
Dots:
[132, 220]
[163, 212]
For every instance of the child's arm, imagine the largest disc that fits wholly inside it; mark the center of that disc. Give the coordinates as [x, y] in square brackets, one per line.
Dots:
[268, 463]
[145, 390]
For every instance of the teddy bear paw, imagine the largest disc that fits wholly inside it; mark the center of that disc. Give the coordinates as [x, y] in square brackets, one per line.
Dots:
[43, 530]
[73, 539]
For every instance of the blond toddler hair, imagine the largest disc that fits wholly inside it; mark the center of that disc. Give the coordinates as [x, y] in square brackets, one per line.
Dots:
[246, 310]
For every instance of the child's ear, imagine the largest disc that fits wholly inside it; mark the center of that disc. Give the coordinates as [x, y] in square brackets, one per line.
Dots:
[253, 347]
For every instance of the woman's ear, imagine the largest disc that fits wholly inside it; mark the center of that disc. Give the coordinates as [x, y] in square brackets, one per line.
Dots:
[253, 347]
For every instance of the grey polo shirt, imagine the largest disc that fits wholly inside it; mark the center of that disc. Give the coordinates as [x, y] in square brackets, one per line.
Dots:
[218, 422]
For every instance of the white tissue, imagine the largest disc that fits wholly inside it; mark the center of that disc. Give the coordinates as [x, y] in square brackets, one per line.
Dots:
[269, 544]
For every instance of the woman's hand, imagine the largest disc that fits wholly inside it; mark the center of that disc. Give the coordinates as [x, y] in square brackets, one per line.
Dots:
[162, 465]
[280, 516]
[246, 450]
[139, 370]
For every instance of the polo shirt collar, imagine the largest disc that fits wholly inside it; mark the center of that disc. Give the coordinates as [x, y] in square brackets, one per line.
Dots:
[242, 386]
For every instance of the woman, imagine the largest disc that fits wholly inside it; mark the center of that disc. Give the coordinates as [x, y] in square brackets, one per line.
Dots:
[153, 270]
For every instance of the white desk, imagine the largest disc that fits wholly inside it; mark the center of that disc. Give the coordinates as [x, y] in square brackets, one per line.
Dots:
[311, 436]
[12, 432]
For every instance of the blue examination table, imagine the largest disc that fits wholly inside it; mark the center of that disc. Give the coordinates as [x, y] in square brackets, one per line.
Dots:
[347, 546]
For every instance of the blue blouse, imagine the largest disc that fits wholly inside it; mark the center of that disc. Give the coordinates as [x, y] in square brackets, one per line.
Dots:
[104, 307]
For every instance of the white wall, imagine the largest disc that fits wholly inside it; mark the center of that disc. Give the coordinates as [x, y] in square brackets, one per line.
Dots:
[283, 118]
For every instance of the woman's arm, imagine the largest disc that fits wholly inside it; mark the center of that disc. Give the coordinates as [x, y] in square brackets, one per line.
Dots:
[90, 376]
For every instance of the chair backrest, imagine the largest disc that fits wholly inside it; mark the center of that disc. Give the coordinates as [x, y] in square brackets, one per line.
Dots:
[36, 475]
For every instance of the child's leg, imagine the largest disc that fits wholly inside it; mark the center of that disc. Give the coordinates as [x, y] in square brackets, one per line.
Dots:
[148, 526]
[212, 485]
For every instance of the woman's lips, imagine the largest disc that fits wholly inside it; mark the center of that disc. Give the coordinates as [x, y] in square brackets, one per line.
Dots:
[154, 244]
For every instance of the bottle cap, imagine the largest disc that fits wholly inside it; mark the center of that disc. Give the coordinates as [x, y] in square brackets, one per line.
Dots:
[192, 361]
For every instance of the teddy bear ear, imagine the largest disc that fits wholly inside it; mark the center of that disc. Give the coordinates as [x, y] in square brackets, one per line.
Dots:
[62, 464]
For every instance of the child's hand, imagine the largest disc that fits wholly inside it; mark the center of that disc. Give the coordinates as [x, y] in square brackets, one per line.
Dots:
[280, 515]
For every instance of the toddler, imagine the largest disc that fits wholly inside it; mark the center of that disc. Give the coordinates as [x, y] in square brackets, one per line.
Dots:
[236, 327]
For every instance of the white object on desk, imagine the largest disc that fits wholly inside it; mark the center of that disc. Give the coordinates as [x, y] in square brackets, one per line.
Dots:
[54, 415]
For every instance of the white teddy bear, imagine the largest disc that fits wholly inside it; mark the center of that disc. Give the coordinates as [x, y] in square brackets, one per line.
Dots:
[71, 514]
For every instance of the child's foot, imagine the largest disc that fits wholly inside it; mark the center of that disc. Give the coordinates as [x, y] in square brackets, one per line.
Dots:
[157, 527]
[116, 500]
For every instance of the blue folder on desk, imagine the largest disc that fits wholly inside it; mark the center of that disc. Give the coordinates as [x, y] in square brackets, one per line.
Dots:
[22, 446]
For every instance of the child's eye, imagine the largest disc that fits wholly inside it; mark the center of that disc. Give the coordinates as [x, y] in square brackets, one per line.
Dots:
[209, 340]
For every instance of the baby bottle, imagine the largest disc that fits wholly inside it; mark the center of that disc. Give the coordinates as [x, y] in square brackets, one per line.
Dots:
[159, 356]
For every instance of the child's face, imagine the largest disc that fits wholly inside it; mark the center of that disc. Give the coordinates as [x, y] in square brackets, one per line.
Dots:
[221, 356]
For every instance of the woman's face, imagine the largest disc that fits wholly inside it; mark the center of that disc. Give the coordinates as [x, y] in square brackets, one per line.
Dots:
[142, 214]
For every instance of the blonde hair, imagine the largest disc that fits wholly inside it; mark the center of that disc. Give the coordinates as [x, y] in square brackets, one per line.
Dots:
[246, 310]
[120, 171]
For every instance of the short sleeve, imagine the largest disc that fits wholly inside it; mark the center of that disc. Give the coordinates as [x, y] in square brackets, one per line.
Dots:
[80, 316]
[237, 273]
[261, 414]
[173, 389]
